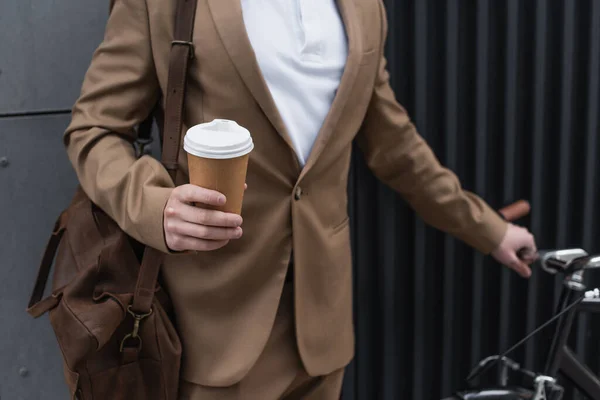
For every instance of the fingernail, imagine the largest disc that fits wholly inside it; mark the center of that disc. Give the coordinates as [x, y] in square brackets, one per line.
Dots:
[238, 233]
[221, 199]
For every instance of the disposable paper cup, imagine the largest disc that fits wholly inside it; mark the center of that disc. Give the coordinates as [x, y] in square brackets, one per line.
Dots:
[218, 154]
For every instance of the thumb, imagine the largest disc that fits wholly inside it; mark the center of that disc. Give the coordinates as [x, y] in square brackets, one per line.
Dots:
[519, 267]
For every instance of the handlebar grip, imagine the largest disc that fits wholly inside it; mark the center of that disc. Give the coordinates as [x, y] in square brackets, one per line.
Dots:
[516, 210]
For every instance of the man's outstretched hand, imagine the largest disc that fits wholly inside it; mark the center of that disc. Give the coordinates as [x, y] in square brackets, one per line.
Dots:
[517, 250]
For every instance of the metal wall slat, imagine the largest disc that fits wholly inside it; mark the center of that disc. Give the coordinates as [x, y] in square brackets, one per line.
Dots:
[511, 102]
[565, 138]
[568, 43]
[590, 175]
[421, 98]
[366, 285]
[592, 193]
[510, 149]
[538, 159]
[451, 136]
[481, 146]
[592, 126]
[389, 275]
[582, 323]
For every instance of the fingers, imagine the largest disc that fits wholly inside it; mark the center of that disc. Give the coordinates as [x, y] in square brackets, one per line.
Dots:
[195, 194]
[517, 250]
[187, 229]
[520, 268]
[530, 242]
[517, 261]
[202, 216]
[529, 256]
[528, 251]
[185, 243]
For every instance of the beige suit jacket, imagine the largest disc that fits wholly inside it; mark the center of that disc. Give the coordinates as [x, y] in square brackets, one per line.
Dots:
[226, 300]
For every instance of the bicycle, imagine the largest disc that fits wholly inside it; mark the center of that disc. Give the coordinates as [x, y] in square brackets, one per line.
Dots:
[574, 298]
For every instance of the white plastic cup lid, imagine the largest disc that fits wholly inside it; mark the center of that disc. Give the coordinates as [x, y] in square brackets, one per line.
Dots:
[219, 139]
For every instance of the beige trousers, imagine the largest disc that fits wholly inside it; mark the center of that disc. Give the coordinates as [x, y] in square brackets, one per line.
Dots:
[278, 373]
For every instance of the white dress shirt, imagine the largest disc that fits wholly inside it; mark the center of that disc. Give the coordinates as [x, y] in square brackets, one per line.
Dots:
[301, 49]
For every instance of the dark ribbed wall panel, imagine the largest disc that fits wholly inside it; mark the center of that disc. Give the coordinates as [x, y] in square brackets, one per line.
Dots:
[507, 92]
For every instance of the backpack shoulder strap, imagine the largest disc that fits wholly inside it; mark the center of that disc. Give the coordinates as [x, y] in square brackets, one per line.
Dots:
[182, 50]
[38, 306]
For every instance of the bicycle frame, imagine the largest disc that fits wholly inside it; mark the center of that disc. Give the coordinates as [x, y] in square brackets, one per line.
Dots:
[560, 357]
[573, 369]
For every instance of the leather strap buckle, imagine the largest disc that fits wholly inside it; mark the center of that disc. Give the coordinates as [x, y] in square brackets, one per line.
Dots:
[190, 45]
[137, 318]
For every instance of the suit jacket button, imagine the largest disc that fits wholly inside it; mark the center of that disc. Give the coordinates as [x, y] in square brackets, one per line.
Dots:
[298, 193]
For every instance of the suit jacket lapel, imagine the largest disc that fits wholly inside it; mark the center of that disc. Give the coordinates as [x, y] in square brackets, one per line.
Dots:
[350, 18]
[229, 21]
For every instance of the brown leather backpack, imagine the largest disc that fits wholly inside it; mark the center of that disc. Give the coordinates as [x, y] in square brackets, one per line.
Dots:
[112, 319]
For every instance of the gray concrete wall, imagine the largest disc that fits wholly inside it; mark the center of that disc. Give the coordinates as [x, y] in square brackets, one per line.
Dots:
[45, 48]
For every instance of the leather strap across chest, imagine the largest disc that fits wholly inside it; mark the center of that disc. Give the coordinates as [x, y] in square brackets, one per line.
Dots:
[182, 51]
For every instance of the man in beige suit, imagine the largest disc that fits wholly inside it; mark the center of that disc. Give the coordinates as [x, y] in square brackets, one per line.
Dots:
[306, 78]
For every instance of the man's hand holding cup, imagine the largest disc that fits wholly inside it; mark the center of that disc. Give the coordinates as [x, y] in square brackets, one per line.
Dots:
[205, 214]
[191, 221]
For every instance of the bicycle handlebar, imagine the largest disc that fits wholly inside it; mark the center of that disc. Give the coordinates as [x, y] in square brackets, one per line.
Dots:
[516, 210]
[569, 261]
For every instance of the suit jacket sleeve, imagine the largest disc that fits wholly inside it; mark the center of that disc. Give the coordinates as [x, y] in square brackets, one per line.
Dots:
[119, 90]
[399, 156]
